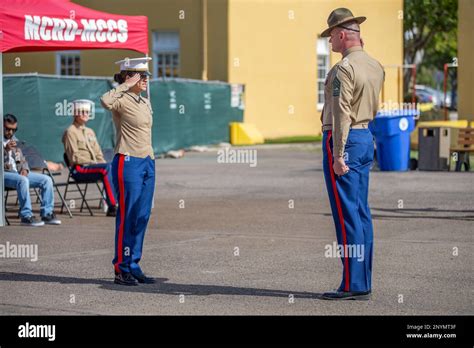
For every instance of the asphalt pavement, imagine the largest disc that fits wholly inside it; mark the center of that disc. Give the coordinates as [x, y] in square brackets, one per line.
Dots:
[235, 238]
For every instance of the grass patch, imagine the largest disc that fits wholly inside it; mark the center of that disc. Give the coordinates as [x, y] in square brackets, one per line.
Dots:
[295, 139]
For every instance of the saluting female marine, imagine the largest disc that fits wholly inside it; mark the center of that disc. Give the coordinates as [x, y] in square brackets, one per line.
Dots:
[133, 167]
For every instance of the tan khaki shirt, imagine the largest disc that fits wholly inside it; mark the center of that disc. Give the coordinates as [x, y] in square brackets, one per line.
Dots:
[132, 115]
[351, 95]
[81, 146]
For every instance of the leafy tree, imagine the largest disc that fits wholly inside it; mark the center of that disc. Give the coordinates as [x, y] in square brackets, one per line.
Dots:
[430, 28]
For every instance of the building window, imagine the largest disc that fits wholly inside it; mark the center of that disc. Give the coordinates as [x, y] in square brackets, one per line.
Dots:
[68, 63]
[322, 52]
[165, 54]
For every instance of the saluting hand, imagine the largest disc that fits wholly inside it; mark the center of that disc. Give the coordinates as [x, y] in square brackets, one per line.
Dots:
[132, 81]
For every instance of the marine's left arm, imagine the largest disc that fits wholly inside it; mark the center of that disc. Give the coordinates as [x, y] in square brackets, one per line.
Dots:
[342, 93]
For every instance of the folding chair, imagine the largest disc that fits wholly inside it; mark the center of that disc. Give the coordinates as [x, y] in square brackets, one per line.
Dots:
[82, 192]
[7, 190]
[36, 161]
[35, 190]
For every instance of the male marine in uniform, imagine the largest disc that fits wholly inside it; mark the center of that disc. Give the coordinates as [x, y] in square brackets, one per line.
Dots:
[84, 154]
[351, 101]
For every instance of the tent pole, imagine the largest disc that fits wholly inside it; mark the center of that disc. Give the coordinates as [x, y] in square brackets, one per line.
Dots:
[2, 190]
[148, 84]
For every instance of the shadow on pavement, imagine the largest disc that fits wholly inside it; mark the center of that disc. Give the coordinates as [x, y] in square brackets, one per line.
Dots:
[414, 214]
[418, 214]
[160, 287]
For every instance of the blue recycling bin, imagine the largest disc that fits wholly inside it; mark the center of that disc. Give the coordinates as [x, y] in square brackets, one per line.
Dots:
[392, 136]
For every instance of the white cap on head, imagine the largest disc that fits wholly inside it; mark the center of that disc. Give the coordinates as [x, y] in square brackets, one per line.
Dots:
[134, 64]
[82, 105]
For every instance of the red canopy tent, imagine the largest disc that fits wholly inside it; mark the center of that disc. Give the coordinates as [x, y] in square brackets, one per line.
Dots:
[47, 25]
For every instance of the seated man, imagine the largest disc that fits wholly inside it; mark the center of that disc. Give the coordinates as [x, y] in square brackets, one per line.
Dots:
[84, 154]
[18, 176]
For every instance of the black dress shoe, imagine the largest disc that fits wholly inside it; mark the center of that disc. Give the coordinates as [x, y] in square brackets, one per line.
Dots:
[125, 279]
[111, 211]
[143, 279]
[347, 295]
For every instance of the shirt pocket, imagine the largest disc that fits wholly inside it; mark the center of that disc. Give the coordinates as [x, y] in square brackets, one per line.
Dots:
[91, 138]
[81, 145]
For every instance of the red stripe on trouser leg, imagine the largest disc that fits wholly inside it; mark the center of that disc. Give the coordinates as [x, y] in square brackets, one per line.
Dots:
[109, 190]
[122, 213]
[339, 211]
[102, 171]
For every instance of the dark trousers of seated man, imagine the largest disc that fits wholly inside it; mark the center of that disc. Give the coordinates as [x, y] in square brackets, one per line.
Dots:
[100, 171]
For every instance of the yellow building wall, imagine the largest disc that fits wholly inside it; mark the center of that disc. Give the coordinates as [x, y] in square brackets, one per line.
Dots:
[465, 59]
[217, 34]
[275, 56]
[162, 15]
[19, 63]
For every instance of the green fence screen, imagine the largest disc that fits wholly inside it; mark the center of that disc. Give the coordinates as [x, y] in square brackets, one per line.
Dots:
[185, 112]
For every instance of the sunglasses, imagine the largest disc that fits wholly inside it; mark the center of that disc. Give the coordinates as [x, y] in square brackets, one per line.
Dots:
[142, 75]
[8, 129]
